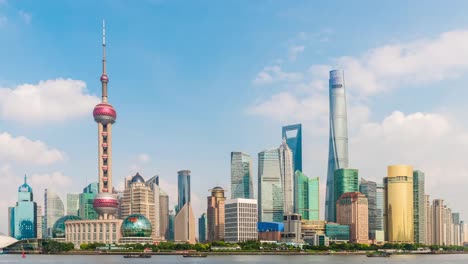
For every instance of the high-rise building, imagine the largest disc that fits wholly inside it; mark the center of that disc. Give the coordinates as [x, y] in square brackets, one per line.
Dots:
[23, 217]
[184, 222]
[346, 180]
[293, 136]
[270, 190]
[429, 221]
[86, 210]
[287, 177]
[338, 142]
[138, 198]
[54, 209]
[73, 203]
[307, 196]
[438, 234]
[202, 228]
[39, 224]
[374, 194]
[456, 238]
[161, 202]
[241, 176]
[398, 214]
[215, 213]
[171, 225]
[106, 203]
[241, 220]
[419, 207]
[352, 210]
[448, 224]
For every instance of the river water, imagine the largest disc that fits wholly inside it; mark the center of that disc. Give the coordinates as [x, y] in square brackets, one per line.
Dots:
[409, 259]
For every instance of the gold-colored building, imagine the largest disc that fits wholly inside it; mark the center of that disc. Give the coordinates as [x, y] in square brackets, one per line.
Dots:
[215, 212]
[398, 204]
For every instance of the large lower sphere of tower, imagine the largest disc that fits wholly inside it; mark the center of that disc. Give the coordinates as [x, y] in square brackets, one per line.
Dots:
[106, 203]
[104, 113]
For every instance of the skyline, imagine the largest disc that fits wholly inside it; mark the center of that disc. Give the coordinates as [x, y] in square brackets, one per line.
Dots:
[149, 125]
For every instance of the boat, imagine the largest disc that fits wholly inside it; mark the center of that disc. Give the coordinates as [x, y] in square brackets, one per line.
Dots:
[377, 254]
[195, 255]
[137, 256]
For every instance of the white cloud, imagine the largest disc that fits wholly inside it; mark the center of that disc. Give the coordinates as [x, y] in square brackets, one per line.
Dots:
[26, 17]
[47, 101]
[143, 158]
[56, 181]
[294, 51]
[26, 151]
[271, 74]
[419, 61]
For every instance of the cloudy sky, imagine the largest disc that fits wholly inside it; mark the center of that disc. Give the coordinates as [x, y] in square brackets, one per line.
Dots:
[194, 80]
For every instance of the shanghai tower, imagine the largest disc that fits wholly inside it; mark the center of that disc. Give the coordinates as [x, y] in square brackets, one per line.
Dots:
[338, 146]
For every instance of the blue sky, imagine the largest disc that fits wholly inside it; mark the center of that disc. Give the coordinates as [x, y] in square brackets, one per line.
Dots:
[194, 80]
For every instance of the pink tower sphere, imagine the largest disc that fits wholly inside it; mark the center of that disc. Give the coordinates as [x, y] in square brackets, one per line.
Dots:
[104, 113]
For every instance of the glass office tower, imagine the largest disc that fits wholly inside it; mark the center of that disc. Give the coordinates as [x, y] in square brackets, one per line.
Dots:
[241, 176]
[346, 180]
[202, 228]
[293, 136]
[419, 207]
[23, 217]
[183, 184]
[54, 210]
[86, 210]
[287, 177]
[270, 191]
[338, 142]
[398, 214]
[374, 194]
[307, 196]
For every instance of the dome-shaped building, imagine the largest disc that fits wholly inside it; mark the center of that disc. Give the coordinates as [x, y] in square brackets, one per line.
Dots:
[136, 228]
[58, 230]
[137, 178]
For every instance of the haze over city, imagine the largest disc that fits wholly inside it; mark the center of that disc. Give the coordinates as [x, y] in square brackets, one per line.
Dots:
[193, 81]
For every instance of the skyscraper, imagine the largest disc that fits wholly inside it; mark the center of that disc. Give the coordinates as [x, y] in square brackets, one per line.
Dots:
[293, 136]
[138, 198]
[184, 222]
[429, 221]
[23, 217]
[374, 195]
[270, 191]
[241, 220]
[338, 143]
[54, 209]
[39, 224]
[202, 228]
[307, 196]
[287, 177]
[241, 176]
[86, 210]
[419, 207]
[352, 210]
[398, 214]
[73, 203]
[346, 180]
[162, 207]
[215, 213]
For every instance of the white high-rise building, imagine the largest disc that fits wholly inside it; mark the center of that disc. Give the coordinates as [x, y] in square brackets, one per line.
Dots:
[287, 177]
[73, 203]
[54, 209]
[240, 220]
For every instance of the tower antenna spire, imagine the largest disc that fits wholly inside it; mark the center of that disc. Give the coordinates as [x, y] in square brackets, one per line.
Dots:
[104, 77]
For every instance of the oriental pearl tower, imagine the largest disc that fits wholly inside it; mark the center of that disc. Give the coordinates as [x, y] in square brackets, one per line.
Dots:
[105, 203]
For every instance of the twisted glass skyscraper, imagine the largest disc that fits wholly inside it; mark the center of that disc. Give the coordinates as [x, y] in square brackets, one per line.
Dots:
[338, 144]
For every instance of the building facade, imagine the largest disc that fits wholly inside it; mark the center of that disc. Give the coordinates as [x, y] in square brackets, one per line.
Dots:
[73, 203]
[270, 190]
[398, 214]
[292, 229]
[86, 209]
[287, 177]
[419, 207]
[215, 213]
[352, 210]
[184, 221]
[338, 140]
[241, 220]
[23, 217]
[346, 180]
[374, 194]
[241, 176]
[337, 233]
[138, 198]
[202, 228]
[54, 209]
[270, 231]
[293, 136]
[429, 220]
[438, 234]
[307, 196]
